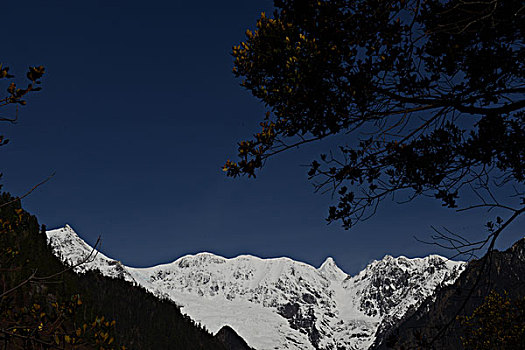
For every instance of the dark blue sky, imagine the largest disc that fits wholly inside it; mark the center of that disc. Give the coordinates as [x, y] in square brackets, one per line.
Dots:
[139, 110]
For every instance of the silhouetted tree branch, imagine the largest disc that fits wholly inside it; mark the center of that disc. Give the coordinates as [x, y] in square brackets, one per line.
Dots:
[431, 96]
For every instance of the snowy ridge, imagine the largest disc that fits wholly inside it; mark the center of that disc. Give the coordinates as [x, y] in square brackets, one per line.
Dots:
[280, 303]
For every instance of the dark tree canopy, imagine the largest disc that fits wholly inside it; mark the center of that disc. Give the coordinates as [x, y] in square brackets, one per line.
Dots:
[431, 95]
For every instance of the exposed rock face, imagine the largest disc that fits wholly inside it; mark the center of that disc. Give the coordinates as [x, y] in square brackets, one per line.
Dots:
[300, 321]
[280, 303]
[424, 327]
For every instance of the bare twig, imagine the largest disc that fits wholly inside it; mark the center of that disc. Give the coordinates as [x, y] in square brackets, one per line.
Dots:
[28, 192]
[494, 236]
[87, 259]
[29, 279]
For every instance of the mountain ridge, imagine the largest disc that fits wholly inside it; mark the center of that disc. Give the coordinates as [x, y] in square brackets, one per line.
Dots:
[279, 303]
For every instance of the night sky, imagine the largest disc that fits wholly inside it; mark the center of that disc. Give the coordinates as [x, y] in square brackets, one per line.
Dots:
[138, 113]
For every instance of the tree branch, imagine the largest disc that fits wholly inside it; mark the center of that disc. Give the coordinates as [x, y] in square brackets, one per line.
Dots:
[28, 192]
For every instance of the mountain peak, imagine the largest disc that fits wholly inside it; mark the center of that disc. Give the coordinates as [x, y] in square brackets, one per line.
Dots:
[330, 270]
[68, 230]
[329, 261]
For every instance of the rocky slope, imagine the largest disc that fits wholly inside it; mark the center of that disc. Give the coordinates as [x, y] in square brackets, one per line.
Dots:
[503, 272]
[281, 303]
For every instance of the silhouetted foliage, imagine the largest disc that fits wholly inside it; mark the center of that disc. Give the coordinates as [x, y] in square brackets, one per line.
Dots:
[429, 93]
[15, 95]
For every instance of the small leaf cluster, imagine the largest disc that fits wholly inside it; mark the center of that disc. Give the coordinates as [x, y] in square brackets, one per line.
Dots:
[15, 94]
[50, 324]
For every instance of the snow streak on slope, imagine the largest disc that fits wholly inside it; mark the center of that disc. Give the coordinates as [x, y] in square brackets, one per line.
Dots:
[280, 303]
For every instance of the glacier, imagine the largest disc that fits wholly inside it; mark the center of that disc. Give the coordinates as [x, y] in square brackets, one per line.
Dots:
[279, 303]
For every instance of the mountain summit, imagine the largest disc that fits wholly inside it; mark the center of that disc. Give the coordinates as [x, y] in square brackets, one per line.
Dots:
[280, 303]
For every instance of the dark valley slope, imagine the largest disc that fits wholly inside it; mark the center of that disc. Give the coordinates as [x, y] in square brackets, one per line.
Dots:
[52, 311]
[502, 272]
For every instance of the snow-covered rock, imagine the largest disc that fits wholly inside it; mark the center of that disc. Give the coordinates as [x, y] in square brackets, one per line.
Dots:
[280, 303]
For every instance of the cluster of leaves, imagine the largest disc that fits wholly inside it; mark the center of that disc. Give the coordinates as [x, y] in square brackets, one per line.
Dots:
[50, 326]
[498, 323]
[16, 95]
[432, 92]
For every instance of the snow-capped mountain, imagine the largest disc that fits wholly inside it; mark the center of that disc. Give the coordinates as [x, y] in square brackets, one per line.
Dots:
[280, 303]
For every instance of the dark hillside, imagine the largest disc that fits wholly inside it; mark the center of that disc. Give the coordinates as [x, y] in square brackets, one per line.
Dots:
[231, 339]
[41, 309]
[502, 272]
